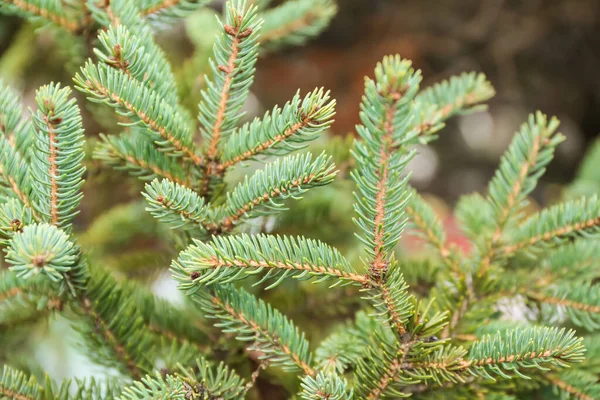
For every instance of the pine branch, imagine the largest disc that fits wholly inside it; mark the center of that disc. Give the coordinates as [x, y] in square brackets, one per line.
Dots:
[297, 21]
[254, 321]
[282, 130]
[520, 168]
[50, 10]
[170, 129]
[325, 387]
[227, 259]
[264, 192]
[381, 197]
[138, 155]
[232, 66]
[57, 162]
[458, 95]
[553, 225]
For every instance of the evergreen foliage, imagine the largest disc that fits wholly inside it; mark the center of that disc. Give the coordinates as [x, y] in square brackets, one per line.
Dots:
[433, 328]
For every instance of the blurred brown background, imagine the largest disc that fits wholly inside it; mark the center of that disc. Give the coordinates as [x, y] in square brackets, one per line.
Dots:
[539, 54]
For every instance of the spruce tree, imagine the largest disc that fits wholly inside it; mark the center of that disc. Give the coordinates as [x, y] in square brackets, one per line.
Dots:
[452, 338]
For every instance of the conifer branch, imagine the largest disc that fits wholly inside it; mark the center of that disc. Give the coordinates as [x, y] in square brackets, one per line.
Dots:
[458, 95]
[282, 130]
[380, 198]
[115, 88]
[176, 8]
[254, 321]
[57, 164]
[265, 191]
[296, 21]
[557, 223]
[232, 74]
[110, 321]
[325, 387]
[430, 228]
[581, 302]
[15, 173]
[104, 330]
[16, 385]
[576, 384]
[520, 168]
[227, 259]
[178, 206]
[52, 11]
[139, 156]
[133, 53]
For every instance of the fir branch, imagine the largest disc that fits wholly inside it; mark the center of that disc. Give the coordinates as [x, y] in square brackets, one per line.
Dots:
[137, 155]
[282, 130]
[57, 162]
[555, 224]
[235, 54]
[51, 10]
[294, 22]
[380, 197]
[325, 387]
[169, 128]
[254, 321]
[265, 191]
[227, 259]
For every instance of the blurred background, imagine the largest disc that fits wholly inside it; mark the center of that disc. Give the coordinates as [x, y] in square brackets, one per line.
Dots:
[539, 54]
